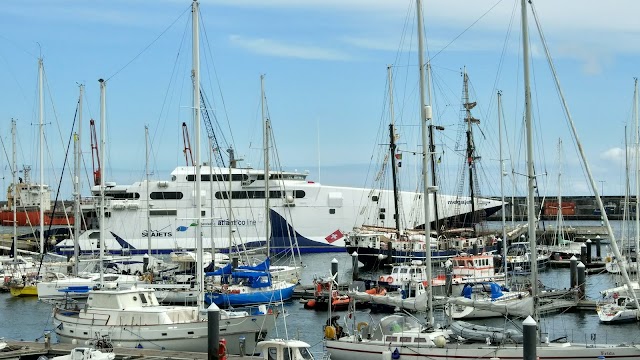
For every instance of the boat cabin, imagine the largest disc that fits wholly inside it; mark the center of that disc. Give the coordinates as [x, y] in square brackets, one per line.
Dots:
[404, 273]
[278, 349]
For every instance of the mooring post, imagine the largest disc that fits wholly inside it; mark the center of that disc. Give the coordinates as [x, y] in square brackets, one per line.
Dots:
[213, 330]
[354, 258]
[573, 269]
[589, 251]
[530, 332]
[582, 280]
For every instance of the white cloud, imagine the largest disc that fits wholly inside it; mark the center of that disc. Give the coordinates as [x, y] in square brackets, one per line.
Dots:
[281, 49]
[615, 155]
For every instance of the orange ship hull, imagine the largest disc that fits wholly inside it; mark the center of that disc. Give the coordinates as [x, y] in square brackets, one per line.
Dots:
[32, 218]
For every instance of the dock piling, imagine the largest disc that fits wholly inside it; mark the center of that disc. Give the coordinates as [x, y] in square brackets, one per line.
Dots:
[589, 251]
[583, 253]
[334, 268]
[530, 332]
[354, 258]
[213, 329]
[598, 248]
[582, 280]
[573, 267]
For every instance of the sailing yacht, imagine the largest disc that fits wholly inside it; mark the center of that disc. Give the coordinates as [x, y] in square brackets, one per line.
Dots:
[401, 337]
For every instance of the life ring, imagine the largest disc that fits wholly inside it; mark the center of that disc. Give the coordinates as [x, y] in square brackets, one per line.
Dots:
[425, 283]
[361, 325]
[381, 278]
[616, 295]
[389, 279]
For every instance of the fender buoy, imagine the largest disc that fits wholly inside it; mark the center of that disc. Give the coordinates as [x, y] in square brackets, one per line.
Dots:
[361, 325]
[381, 278]
[390, 280]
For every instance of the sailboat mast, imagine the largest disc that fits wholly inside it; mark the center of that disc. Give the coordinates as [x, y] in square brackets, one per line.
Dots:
[41, 131]
[470, 146]
[196, 120]
[560, 226]
[267, 208]
[502, 174]
[103, 118]
[432, 153]
[531, 214]
[635, 113]
[77, 215]
[392, 150]
[425, 115]
[14, 203]
[146, 170]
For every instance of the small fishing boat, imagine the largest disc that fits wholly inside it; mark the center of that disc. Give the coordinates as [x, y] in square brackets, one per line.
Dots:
[326, 294]
[85, 353]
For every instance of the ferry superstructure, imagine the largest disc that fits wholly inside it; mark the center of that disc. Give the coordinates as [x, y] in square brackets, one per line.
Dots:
[313, 215]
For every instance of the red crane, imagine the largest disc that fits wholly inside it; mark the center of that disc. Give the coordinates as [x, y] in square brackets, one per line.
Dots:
[95, 156]
[187, 144]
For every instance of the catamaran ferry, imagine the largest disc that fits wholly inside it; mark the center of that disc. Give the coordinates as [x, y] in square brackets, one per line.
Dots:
[160, 215]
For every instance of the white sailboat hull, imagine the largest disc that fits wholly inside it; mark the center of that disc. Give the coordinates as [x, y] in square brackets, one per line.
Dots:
[342, 350]
[176, 337]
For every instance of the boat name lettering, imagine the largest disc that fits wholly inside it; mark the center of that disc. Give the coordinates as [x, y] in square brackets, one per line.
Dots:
[157, 233]
[236, 222]
[607, 353]
[459, 202]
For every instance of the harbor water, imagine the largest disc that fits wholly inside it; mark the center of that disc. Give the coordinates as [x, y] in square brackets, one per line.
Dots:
[28, 319]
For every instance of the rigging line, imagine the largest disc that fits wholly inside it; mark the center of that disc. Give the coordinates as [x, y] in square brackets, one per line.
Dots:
[215, 72]
[168, 97]
[465, 30]
[149, 45]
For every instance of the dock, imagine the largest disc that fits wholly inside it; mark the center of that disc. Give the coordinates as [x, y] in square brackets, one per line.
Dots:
[30, 350]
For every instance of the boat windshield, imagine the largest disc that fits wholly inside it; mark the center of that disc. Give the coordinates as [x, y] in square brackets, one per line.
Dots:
[395, 324]
[304, 352]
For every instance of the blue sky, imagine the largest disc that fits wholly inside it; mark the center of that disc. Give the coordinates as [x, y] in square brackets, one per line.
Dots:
[326, 82]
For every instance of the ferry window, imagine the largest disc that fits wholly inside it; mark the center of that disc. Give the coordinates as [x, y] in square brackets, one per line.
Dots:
[405, 339]
[166, 195]
[403, 270]
[107, 214]
[166, 212]
[420, 340]
[374, 198]
[332, 211]
[218, 177]
[143, 299]
[382, 216]
[247, 194]
[392, 338]
[299, 194]
[173, 178]
[123, 196]
[94, 235]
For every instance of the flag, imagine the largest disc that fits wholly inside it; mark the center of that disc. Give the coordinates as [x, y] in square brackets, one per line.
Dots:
[194, 224]
[399, 156]
[336, 235]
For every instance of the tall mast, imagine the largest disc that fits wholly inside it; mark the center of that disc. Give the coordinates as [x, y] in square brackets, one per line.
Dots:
[103, 119]
[14, 203]
[77, 215]
[560, 226]
[41, 131]
[267, 210]
[425, 115]
[635, 113]
[432, 153]
[196, 120]
[470, 120]
[392, 149]
[211, 228]
[531, 213]
[502, 174]
[146, 171]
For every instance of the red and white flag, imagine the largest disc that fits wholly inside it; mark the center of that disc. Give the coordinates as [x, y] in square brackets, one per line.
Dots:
[336, 235]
